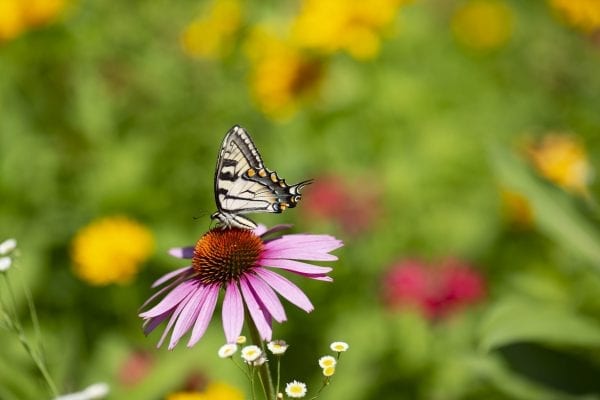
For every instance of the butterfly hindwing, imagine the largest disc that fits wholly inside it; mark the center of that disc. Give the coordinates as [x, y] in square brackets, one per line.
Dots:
[244, 185]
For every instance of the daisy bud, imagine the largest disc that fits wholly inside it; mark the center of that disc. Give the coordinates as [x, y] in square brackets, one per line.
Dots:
[241, 340]
[328, 371]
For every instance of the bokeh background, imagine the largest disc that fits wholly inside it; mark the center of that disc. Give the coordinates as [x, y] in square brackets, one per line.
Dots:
[454, 145]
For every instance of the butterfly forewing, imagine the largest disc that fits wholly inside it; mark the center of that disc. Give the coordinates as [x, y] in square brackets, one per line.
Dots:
[244, 185]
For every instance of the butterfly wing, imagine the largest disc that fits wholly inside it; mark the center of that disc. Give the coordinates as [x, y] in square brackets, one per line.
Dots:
[244, 185]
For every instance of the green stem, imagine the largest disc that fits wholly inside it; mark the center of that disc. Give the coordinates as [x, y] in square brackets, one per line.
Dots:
[325, 383]
[263, 370]
[33, 353]
[278, 374]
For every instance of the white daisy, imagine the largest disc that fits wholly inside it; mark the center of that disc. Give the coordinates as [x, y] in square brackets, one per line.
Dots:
[327, 361]
[339, 346]
[277, 346]
[295, 389]
[251, 353]
[227, 350]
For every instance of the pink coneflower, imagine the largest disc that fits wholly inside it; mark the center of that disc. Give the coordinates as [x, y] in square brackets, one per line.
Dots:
[436, 291]
[239, 261]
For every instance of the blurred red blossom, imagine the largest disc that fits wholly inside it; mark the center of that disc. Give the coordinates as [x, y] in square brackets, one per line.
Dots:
[435, 290]
[354, 207]
[135, 368]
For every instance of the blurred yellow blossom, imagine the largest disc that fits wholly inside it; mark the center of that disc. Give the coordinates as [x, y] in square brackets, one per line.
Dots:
[214, 391]
[16, 16]
[483, 24]
[211, 35]
[582, 14]
[282, 76]
[110, 250]
[562, 159]
[516, 208]
[354, 26]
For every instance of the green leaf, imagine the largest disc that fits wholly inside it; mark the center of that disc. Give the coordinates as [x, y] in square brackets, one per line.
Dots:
[519, 321]
[489, 368]
[555, 212]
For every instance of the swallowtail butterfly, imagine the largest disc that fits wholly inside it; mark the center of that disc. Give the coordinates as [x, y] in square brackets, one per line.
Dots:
[244, 185]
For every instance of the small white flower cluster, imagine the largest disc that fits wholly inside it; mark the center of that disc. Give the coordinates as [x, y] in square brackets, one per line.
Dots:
[328, 363]
[253, 355]
[6, 249]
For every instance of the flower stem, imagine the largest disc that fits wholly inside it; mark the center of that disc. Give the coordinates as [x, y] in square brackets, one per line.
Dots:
[263, 370]
[35, 354]
[278, 374]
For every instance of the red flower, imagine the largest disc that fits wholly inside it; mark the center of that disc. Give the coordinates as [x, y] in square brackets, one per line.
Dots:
[353, 207]
[436, 291]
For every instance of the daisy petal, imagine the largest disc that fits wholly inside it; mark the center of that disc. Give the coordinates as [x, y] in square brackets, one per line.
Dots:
[182, 252]
[232, 313]
[260, 320]
[295, 266]
[268, 298]
[285, 288]
[205, 314]
[171, 300]
[170, 275]
[188, 316]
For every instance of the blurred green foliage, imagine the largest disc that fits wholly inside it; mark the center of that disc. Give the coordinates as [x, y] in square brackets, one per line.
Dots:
[102, 113]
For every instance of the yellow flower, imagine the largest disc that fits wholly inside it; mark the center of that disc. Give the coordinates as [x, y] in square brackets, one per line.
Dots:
[11, 19]
[110, 250]
[211, 35]
[16, 16]
[483, 24]
[562, 159]
[281, 77]
[516, 208]
[40, 12]
[582, 14]
[214, 391]
[354, 26]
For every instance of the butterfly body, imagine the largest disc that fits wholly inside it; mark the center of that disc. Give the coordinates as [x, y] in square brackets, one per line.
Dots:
[244, 185]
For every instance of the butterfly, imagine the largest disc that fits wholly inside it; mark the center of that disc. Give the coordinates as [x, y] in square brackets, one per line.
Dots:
[244, 185]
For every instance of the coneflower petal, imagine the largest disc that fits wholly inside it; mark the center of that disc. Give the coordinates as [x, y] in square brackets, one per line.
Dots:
[205, 314]
[260, 320]
[268, 297]
[188, 315]
[285, 288]
[170, 275]
[295, 266]
[173, 319]
[232, 313]
[171, 300]
[182, 252]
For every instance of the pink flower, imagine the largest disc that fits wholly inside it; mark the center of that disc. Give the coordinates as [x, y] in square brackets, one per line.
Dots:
[435, 291]
[135, 368]
[354, 208]
[240, 262]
